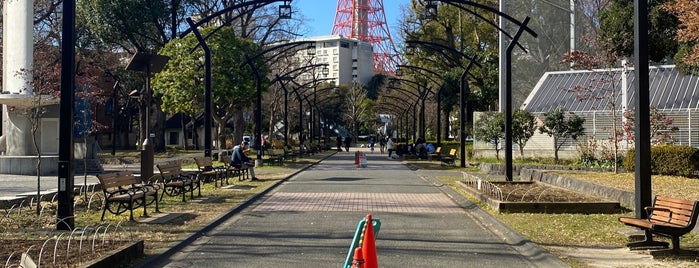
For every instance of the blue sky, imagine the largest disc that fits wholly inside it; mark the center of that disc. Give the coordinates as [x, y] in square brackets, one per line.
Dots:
[321, 14]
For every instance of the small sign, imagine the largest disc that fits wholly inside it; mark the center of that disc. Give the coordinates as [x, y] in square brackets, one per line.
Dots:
[62, 184]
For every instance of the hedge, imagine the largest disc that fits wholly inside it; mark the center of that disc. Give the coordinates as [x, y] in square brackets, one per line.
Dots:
[673, 160]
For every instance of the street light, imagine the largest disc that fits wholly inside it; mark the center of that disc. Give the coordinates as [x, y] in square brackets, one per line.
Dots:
[258, 81]
[522, 27]
[193, 27]
[438, 95]
[286, 76]
[421, 96]
[285, 11]
[430, 10]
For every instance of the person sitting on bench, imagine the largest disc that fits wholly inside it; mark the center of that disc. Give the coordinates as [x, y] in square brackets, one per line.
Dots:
[240, 160]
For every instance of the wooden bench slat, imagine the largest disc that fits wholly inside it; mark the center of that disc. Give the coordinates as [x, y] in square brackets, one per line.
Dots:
[671, 217]
[176, 181]
[125, 189]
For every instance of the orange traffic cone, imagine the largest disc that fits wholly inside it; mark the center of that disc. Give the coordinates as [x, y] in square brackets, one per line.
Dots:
[358, 261]
[369, 245]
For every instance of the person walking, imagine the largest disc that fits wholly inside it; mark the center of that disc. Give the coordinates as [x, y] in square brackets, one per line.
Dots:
[348, 142]
[389, 146]
[372, 143]
[339, 143]
[382, 144]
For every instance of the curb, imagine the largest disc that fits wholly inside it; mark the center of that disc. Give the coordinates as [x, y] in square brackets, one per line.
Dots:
[157, 259]
[529, 250]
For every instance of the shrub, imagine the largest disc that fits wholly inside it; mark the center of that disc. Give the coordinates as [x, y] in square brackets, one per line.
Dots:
[674, 160]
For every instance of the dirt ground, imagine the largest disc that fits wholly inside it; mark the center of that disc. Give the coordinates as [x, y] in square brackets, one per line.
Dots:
[621, 257]
[12, 249]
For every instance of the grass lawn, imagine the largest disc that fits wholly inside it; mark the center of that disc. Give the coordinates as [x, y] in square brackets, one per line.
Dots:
[596, 230]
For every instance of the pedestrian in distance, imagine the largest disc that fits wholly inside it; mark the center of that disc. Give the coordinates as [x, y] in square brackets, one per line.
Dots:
[348, 142]
[339, 143]
[371, 144]
[382, 144]
[239, 159]
[389, 146]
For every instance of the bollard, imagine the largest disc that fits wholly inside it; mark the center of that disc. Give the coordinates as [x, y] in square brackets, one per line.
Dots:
[358, 261]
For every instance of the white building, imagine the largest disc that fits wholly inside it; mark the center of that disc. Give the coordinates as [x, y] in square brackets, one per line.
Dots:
[349, 60]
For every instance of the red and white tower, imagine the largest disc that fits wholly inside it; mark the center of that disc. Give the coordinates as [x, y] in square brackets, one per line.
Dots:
[365, 20]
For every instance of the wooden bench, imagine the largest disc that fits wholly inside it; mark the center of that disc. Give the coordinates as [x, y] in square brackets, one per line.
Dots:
[448, 160]
[209, 173]
[241, 173]
[290, 153]
[275, 157]
[177, 182]
[437, 154]
[123, 191]
[669, 217]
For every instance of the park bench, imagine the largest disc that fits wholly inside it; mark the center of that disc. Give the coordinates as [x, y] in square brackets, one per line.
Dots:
[233, 171]
[669, 217]
[448, 160]
[209, 172]
[123, 191]
[275, 157]
[290, 153]
[437, 153]
[177, 182]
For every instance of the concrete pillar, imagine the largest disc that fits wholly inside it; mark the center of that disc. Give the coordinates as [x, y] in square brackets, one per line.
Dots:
[17, 56]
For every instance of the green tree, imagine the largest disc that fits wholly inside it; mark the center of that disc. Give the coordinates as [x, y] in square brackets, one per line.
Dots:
[616, 29]
[181, 83]
[490, 127]
[523, 128]
[465, 33]
[561, 127]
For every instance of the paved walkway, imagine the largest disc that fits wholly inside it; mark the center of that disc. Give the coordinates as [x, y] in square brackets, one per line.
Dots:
[309, 221]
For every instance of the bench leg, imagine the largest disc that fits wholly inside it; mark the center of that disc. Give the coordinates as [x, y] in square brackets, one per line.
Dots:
[104, 210]
[131, 210]
[648, 242]
[145, 212]
[156, 202]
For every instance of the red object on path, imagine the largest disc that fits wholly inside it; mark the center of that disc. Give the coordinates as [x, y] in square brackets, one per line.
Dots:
[369, 245]
[358, 260]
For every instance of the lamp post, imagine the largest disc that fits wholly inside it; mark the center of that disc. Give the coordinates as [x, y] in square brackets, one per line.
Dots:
[298, 96]
[464, 91]
[66, 179]
[258, 83]
[431, 7]
[286, 76]
[438, 97]
[147, 63]
[421, 96]
[412, 106]
[284, 12]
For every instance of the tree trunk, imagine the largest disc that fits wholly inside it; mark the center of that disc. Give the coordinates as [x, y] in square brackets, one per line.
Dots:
[555, 149]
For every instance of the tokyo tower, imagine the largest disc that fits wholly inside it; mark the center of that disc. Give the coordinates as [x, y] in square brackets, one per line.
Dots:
[365, 20]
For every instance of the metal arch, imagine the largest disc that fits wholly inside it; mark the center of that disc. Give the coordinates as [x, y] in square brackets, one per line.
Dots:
[423, 69]
[289, 44]
[494, 11]
[393, 109]
[304, 68]
[403, 91]
[395, 106]
[440, 46]
[206, 19]
[414, 84]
